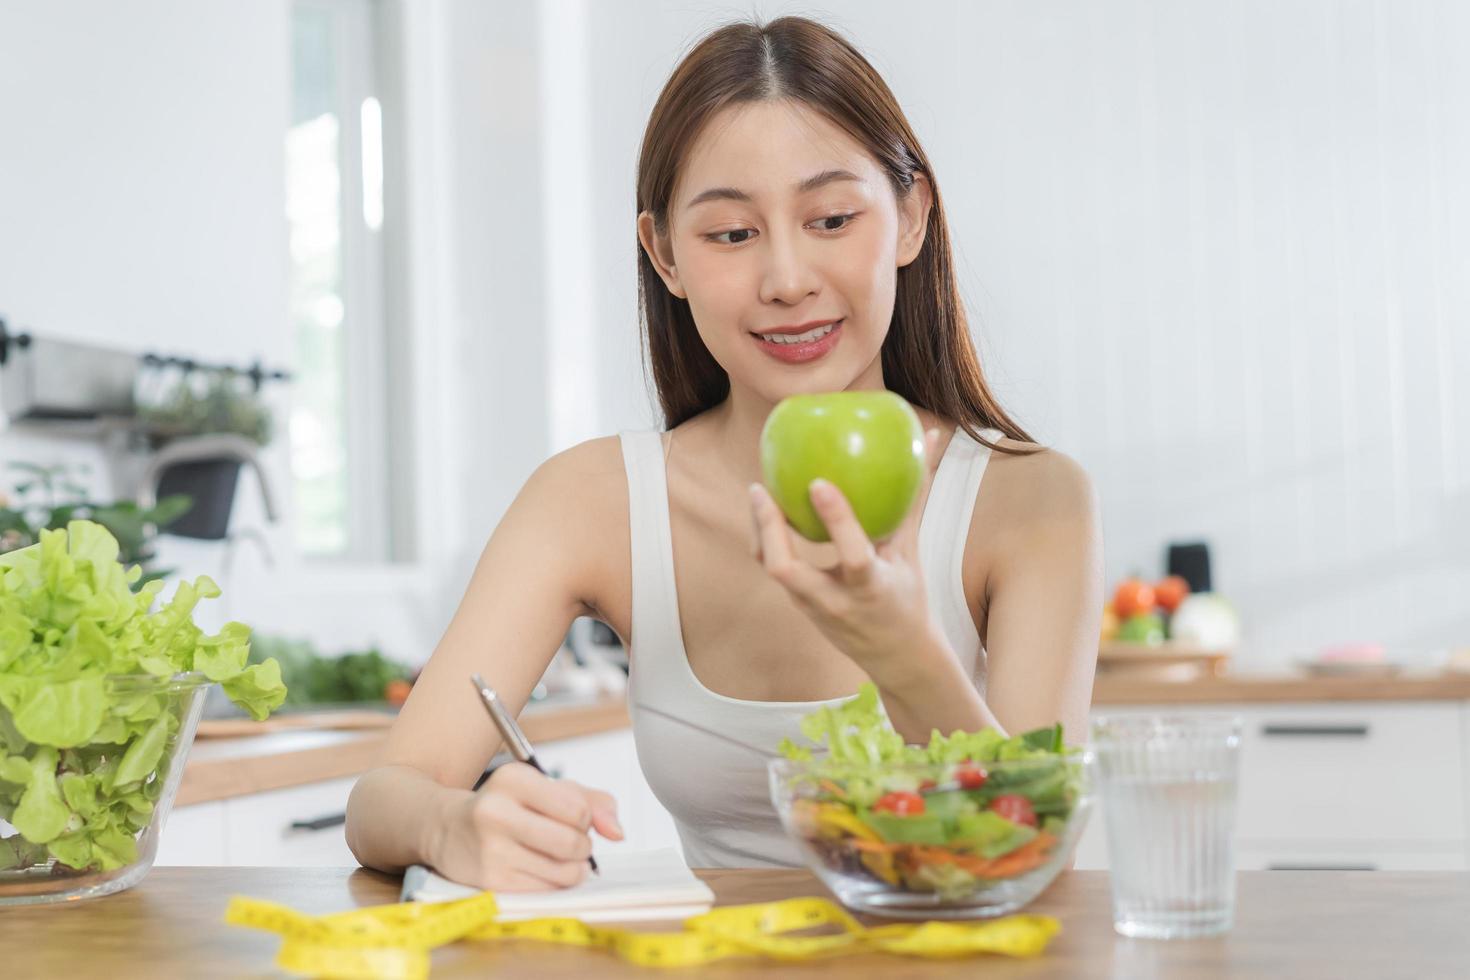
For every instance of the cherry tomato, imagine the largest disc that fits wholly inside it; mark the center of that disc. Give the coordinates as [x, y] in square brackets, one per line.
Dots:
[900, 804]
[927, 784]
[1133, 598]
[1171, 591]
[970, 776]
[1015, 808]
[396, 692]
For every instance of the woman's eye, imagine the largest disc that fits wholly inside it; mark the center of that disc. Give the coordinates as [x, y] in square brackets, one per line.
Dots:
[845, 219]
[739, 236]
[718, 237]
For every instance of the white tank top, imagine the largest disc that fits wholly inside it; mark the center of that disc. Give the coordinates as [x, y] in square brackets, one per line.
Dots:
[717, 791]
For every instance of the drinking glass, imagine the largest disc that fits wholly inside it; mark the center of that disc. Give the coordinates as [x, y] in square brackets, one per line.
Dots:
[1167, 787]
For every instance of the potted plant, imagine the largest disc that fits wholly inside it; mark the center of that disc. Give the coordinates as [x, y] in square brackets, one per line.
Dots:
[203, 402]
[50, 497]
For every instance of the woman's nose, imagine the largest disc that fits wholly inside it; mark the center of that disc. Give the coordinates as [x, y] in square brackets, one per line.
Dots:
[789, 276]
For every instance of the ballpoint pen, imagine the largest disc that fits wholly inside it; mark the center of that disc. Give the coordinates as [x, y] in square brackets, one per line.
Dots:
[515, 739]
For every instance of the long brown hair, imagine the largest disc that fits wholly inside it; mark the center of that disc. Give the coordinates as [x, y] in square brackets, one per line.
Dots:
[928, 355]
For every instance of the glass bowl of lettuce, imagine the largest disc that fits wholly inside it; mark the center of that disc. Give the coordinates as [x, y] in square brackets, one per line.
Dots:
[100, 694]
[974, 824]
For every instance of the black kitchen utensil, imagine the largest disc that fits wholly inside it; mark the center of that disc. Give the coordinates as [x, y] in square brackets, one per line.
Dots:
[1191, 561]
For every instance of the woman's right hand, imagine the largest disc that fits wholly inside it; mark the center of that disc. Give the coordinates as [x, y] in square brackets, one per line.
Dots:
[522, 831]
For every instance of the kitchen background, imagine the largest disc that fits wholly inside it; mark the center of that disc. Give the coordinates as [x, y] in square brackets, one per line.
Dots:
[1219, 253]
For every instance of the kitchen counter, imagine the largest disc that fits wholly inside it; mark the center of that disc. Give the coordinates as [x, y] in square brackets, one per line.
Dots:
[1288, 924]
[1119, 688]
[221, 768]
[229, 767]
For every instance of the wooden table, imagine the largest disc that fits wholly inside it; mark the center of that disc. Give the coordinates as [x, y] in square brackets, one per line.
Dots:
[1288, 924]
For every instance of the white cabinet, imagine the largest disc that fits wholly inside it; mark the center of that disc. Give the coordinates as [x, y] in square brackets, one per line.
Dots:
[1375, 785]
[274, 828]
[194, 835]
[261, 829]
[1352, 772]
[1308, 857]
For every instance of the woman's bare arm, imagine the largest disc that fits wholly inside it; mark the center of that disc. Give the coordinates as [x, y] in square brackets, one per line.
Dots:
[1039, 522]
[540, 569]
[1045, 597]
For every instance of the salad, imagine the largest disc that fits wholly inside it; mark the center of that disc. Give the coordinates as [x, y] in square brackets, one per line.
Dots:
[961, 814]
[86, 721]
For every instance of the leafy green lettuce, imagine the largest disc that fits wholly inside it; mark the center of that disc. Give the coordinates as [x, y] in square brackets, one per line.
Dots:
[868, 758]
[858, 733]
[84, 745]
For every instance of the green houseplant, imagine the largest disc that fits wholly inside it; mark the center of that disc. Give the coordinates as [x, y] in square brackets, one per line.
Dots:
[179, 403]
[50, 497]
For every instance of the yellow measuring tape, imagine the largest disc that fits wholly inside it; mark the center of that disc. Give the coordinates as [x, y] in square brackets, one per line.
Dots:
[392, 942]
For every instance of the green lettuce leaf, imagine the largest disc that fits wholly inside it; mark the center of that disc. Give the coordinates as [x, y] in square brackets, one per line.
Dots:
[84, 758]
[41, 813]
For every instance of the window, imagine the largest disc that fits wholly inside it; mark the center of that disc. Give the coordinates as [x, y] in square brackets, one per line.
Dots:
[334, 210]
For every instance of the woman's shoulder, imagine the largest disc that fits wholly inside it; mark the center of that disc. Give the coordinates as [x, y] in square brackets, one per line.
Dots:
[584, 475]
[591, 458]
[579, 497]
[1030, 487]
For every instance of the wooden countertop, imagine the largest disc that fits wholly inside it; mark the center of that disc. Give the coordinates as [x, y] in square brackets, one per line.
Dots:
[1118, 688]
[218, 769]
[221, 768]
[1345, 925]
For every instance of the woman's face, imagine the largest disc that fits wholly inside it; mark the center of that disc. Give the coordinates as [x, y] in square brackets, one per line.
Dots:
[779, 219]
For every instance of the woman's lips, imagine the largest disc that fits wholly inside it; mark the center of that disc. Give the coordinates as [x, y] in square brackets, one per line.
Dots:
[806, 351]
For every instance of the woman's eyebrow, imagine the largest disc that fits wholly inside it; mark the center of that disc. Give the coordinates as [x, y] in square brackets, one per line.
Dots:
[802, 187]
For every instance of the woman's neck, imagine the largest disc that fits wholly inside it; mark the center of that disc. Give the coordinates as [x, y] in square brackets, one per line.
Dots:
[736, 424]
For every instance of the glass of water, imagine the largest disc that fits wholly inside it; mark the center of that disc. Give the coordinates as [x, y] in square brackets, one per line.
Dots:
[1166, 784]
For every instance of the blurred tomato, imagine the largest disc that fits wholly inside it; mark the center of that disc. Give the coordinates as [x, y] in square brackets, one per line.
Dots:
[1134, 597]
[1170, 592]
[396, 692]
[970, 776]
[1015, 808]
[902, 804]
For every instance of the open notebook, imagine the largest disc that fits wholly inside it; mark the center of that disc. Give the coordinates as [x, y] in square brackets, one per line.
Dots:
[632, 886]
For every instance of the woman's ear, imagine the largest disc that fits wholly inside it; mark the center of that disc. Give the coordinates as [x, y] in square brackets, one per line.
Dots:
[913, 218]
[660, 252]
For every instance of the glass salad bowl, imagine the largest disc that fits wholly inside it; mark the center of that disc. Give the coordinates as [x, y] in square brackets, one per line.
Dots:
[84, 821]
[947, 840]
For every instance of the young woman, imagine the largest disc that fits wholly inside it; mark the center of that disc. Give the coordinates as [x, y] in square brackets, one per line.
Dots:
[791, 239]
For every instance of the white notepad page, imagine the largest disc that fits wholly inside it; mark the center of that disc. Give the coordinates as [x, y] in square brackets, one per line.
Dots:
[631, 886]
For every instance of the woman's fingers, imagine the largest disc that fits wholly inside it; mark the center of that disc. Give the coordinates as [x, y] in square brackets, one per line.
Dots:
[556, 840]
[604, 813]
[545, 872]
[854, 551]
[775, 548]
[548, 837]
[562, 801]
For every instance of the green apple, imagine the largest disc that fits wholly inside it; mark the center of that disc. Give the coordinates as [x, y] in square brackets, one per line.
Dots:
[1147, 628]
[869, 444]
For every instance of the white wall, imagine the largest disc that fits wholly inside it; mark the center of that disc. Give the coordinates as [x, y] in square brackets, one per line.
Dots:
[142, 193]
[142, 189]
[140, 181]
[1219, 253]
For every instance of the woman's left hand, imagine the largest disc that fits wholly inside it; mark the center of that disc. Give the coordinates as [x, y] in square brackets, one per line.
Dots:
[871, 605]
